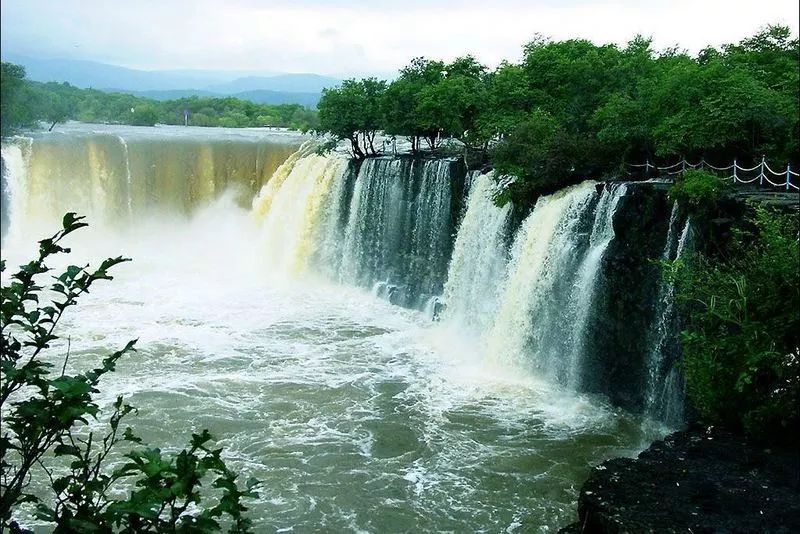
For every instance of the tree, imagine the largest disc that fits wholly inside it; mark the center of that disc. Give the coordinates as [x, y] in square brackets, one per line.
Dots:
[13, 113]
[57, 112]
[507, 103]
[402, 98]
[525, 153]
[145, 115]
[45, 418]
[352, 110]
[450, 106]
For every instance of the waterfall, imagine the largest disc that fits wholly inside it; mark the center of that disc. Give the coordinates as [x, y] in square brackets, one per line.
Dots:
[586, 283]
[547, 242]
[386, 223]
[665, 387]
[373, 231]
[290, 209]
[327, 256]
[128, 181]
[403, 228]
[475, 274]
[117, 177]
[398, 235]
[12, 190]
[552, 277]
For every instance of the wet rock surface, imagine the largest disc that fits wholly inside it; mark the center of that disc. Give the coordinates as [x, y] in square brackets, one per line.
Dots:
[698, 480]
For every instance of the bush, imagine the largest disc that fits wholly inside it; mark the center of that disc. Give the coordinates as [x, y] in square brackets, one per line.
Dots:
[741, 346]
[144, 116]
[45, 421]
[698, 192]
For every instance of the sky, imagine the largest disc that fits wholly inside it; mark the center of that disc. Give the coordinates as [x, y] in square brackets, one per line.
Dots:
[346, 37]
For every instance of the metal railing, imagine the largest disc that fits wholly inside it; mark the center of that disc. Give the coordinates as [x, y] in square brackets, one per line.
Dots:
[741, 175]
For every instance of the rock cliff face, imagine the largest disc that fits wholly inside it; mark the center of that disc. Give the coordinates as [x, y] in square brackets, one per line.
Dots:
[698, 480]
[624, 310]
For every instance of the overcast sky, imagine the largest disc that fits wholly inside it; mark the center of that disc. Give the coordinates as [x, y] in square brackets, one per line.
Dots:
[357, 36]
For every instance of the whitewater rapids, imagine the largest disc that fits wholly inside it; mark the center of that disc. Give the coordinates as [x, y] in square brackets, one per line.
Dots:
[358, 415]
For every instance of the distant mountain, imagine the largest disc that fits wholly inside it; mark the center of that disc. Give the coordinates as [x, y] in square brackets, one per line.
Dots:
[103, 76]
[166, 94]
[291, 83]
[308, 100]
[262, 87]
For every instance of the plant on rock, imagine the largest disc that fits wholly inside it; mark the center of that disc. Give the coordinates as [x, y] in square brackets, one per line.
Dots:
[741, 344]
[46, 414]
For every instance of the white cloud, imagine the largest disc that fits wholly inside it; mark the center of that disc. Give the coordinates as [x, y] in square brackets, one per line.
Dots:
[356, 36]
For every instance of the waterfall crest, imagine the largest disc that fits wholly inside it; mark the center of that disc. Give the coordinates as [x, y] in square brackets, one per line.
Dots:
[289, 208]
[116, 179]
[477, 267]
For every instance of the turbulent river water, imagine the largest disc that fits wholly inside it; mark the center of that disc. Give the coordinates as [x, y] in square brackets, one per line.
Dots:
[358, 415]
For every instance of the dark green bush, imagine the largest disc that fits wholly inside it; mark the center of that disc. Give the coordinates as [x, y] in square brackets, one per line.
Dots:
[144, 116]
[741, 345]
[698, 192]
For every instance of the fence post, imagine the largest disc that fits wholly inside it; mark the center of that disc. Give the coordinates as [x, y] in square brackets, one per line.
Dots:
[683, 166]
[647, 168]
[735, 178]
[761, 175]
[788, 174]
[702, 163]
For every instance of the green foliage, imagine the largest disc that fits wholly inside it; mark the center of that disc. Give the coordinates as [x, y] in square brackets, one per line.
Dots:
[15, 96]
[352, 110]
[573, 110]
[145, 115]
[698, 192]
[25, 102]
[525, 153]
[741, 346]
[402, 100]
[450, 106]
[46, 415]
[570, 110]
[508, 101]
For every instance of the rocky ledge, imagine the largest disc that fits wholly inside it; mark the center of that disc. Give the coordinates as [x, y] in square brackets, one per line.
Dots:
[698, 480]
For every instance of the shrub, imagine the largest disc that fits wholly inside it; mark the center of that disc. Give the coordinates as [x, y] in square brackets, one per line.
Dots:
[145, 115]
[741, 346]
[45, 421]
[698, 192]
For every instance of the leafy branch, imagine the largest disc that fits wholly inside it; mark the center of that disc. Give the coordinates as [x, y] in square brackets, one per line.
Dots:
[46, 421]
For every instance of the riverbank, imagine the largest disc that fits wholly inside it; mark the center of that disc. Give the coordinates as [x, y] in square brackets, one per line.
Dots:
[698, 480]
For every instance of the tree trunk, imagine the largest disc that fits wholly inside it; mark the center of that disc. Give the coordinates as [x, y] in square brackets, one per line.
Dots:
[357, 153]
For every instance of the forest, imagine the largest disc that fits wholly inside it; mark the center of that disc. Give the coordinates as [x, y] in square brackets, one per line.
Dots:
[572, 110]
[25, 103]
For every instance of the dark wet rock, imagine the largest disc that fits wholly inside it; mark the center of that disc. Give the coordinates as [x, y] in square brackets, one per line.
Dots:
[624, 305]
[699, 480]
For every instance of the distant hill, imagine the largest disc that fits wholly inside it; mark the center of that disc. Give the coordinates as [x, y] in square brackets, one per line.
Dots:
[166, 94]
[262, 87]
[290, 83]
[103, 76]
[308, 100]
